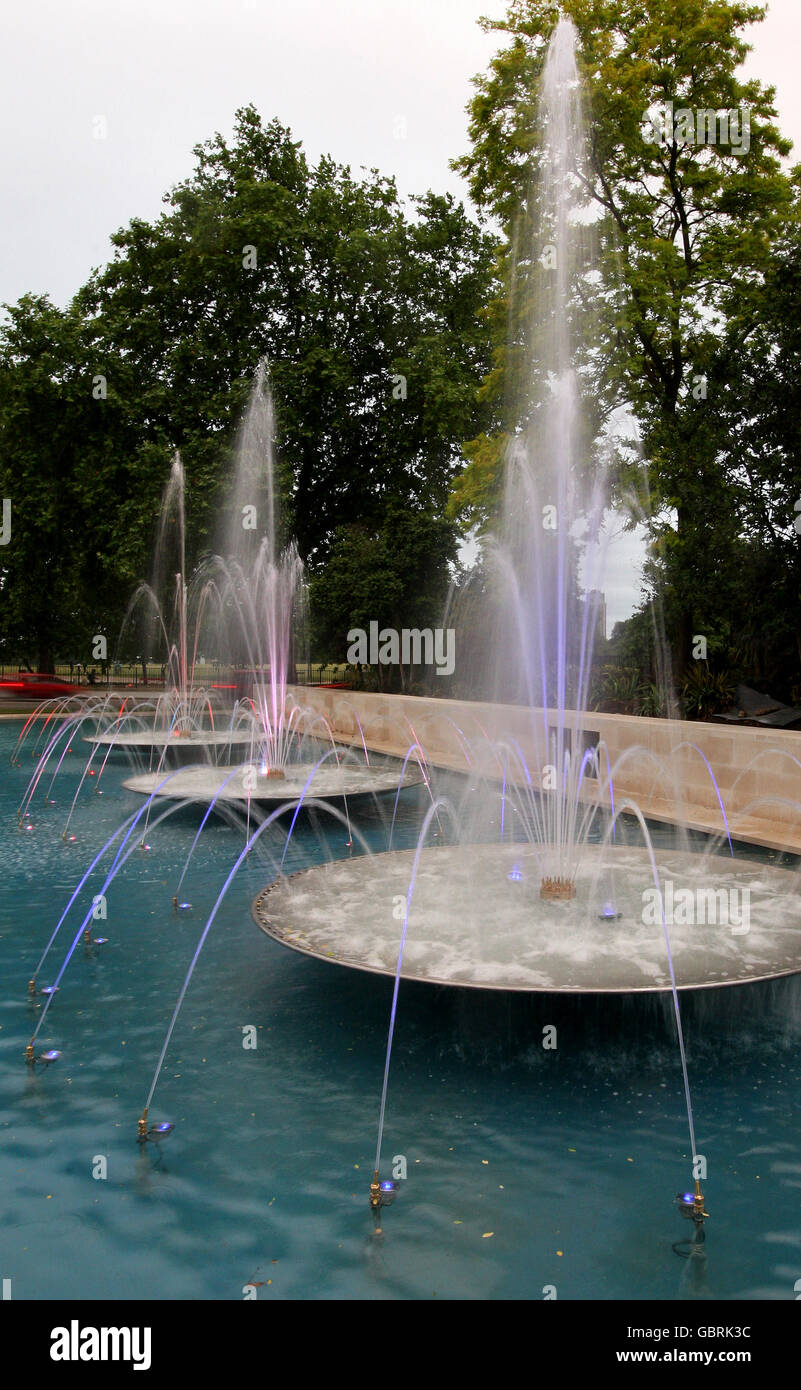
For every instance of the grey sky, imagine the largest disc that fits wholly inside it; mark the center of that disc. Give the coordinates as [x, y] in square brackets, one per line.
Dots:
[372, 82]
[166, 74]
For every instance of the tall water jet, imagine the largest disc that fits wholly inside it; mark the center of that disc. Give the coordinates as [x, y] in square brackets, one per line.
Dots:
[170, 564]
[158, 612]
[163, 616]
[258, 619]
[554, 487]
[250, 608]
[558, 901]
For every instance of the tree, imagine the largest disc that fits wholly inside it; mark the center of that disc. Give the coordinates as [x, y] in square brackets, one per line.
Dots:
[369, 320]
[368, 314]
[81, 504]
[749, 591]
[689, 211]
[396, 575]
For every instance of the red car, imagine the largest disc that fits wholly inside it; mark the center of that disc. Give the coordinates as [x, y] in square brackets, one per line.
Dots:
[31, 685]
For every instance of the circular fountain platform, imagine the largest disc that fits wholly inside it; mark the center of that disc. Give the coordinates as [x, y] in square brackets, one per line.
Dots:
[247, 783]
[477, 919]
[166, 738]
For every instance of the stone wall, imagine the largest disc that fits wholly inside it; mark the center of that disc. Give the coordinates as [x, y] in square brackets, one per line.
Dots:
[676, 771]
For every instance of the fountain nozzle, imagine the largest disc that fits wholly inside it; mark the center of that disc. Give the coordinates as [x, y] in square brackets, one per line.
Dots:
[375, 1202]
[29, 1054]
[382, 1194]
[699, 1215]
[142, 1128]
[175, 904]
[691, 1205]
[557, 889]
[31, 986]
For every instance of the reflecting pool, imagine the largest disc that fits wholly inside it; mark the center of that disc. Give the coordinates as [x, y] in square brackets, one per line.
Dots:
[527, 1168]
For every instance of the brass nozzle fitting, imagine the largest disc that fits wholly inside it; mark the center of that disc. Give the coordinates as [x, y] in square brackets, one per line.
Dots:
[559, 889]
[699, 1214]
[375, 1192]
[142, 1126]
[31, 986]
[87, 937]
[175, 903]
[29, 1054]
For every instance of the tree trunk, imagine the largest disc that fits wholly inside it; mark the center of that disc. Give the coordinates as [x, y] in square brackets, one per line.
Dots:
[683, 653]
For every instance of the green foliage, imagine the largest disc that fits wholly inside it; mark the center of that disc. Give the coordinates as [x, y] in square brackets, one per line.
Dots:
[615, 689]
[705, 692]
[698, 309]
[396, 574]
[346, 296]
[622, 690]
[257, 253]
[65, 455]
[651, 703]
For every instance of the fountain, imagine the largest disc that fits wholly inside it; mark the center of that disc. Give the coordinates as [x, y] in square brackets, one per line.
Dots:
[187, 718]
[551, 883]
[560, 902]
[551, 910]
[247, 604]
[251, 610]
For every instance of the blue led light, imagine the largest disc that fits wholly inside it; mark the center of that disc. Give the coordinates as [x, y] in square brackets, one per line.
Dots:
[387, 1186]
[688, 1197]
[516, 874]
[49, 989]
[50, 1056]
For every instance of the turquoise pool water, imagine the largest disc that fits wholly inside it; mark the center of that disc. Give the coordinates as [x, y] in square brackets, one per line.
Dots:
[526, 1167]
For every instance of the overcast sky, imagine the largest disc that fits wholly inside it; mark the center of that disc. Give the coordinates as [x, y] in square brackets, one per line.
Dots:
[166, 74]
[372, 82]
